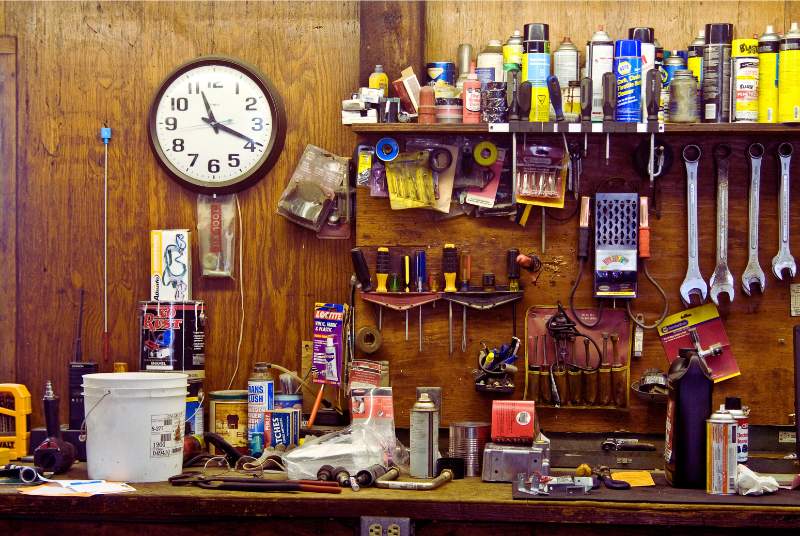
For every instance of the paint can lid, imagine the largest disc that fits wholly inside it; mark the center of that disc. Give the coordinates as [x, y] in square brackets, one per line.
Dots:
[733, 402]
[537, 31]
[627, 47]
[719, 33]
[642, 33]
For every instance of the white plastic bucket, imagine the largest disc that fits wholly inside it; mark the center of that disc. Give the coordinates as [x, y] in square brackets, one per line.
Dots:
[134, 425]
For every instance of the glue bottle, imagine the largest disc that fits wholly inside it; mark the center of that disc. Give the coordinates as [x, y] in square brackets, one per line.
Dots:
[471, 96]
[379, 80]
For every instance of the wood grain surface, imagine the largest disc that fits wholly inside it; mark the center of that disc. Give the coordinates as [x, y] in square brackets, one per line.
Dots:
[8, 205]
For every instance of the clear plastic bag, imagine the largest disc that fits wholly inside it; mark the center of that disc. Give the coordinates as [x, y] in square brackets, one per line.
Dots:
[216, 230]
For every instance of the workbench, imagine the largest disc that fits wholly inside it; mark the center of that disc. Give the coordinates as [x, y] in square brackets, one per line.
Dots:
[466, 506]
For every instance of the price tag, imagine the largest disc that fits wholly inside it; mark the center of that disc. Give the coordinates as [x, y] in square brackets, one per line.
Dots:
[597, 127]
[641, 128]
[574, 127]
[794, 299]
[498, 127]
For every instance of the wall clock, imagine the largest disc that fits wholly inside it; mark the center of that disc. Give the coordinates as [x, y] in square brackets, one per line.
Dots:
[217, 125]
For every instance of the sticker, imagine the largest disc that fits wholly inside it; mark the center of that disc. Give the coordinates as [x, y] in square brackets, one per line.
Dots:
[794, 299]
[786, 437]
[166, 435]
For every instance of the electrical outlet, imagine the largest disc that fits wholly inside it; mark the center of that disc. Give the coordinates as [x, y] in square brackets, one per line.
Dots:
[386, 526]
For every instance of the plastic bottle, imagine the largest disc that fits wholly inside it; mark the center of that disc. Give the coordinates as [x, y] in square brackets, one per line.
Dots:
[379, 79]
[472, 99]
[490, 63]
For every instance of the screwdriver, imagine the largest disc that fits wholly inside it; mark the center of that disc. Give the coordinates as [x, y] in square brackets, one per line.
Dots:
[554, 89]
[407, 282]
[609, 106]
[420, 270]
[586, 111]
[513, 269]
[361, 269]
[449, 268]
[653, 89]
[382, 267]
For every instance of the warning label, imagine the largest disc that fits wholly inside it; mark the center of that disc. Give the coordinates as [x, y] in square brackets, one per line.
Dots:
[166, 434]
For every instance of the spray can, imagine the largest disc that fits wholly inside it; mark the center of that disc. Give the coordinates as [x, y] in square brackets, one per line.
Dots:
[695, 55]
[646, 36]
[566, 63]
[599, 60]
[464, 60]
[768, 46]
[733, 405]
[744, 81]
[671, 65]
[512, 52]
[489, 66]
[471, 100]
[536, 68]
[628, 71]
[721, 454]
[260, 398]
[789, 77]
[717, 73]
[424, 436]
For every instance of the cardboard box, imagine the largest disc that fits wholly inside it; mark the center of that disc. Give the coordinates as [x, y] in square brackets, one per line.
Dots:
[170, 265]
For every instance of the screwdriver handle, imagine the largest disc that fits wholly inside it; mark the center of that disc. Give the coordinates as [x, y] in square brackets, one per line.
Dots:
[382, 267]
[450, 267]
[586, 99]
[361, 269]
[524, 100]
[653, 94]
[421, 269]
[407, 273]
[554, 88]
[609, 96]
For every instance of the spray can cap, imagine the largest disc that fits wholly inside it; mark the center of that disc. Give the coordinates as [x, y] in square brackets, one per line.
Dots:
[495, 43]
[379, 68]
[719, 33]
[642, 33]
[793, 33]
[627, 47]
[537, 31]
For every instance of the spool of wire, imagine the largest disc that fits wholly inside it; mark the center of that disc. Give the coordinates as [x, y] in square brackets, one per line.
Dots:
[467, 440]
[494, 106]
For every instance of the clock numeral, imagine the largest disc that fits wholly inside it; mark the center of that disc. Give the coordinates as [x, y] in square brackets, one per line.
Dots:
[233, 160]
[177, 145]
[258, 123]
[213, 166]
[214, 85]
[250, 146]
[171, 122]
[237, 88]
[194, 158]
[195, 86]
[181, 104]
[251, 104]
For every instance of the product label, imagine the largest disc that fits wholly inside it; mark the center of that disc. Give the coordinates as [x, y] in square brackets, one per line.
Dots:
[472, 99]
[745, 89]
[512, 54]
[260, 398]
[716, 82]
[602, 62]
[629, 90]
[742, 439]
[229, 419]
[767, 88]
[538, 69]
[215, 232]
[485, 75]
[166, 434]
[669, 430]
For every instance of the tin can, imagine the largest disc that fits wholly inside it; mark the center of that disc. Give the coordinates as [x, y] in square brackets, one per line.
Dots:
[769, 45]
[512, 51]
[789, 77]
[566, 63]
[717, 73]
[733, 404]
[683, 98]
[172, 337]
[646, 36]
[628, 71]
[536, 68]
[599, 60]
[441, 71]
[744, 81]
[283, 400]
[260, 398]
[721, 454]
[228, 416]
[671, 65]
[694, 60]
[424, 437]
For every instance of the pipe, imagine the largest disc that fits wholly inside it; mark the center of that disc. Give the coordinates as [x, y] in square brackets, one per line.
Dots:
[389, 481]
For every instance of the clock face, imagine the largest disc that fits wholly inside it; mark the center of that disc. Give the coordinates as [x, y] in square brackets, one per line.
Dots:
[217, 124]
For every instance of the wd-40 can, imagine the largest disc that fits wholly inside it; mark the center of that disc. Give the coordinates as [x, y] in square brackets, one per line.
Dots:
[646, 36]
[733, 404]
[424, 437]
[628, 71]
[599, 61]
[721, 454]
[717, 73]
[671, 65]
[789, 77]
[744, 81]
[536, 68]
[566, 63]
[769, 45]
[260, 398]
[694, 60]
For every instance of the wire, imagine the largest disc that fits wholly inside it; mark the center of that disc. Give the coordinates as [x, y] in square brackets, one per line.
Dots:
[660, 290]
[105, 239]
[575, 315]
[241, 293]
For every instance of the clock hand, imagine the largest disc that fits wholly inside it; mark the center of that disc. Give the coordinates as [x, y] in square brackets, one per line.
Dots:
[229, 130]
[213, 122]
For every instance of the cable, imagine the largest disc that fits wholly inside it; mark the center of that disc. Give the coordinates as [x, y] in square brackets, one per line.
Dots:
[644, 254]
[583, 254]
[241, 293]
[105, 134]
[660, 290]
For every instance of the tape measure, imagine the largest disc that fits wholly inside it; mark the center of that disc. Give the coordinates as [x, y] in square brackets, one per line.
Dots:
[485, 153]
[387, 149]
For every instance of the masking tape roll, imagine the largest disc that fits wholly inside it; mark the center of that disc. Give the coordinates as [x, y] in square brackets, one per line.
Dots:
[387, 149]
[368, 339]
[485, 153]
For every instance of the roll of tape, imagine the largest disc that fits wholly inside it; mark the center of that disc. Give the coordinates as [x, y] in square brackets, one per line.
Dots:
[387, 149]
[368, 339]
[440, 159]
[485, 153]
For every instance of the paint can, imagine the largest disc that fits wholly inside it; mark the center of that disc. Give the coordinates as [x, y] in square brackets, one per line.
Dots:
[536, 68]
[628, 72]
[717, 73]
[172, 337]
[228, 416]
[646, 36]
[694, 60]
[283, 400]
[424, 437]
[733, 404]
[721, 454]
[769, 45]
[671, 65]
[260, 398]
[744, 81]
[566, 63]
[195, 424]
[441, 71]
[789, 77]
[599, 60]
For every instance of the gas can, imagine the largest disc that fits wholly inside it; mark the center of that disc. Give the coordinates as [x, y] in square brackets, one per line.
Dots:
[260, 398]
[733, 404]
[694, 61]
[717, 73]
[646, 36]
[424, 437]
[744, 81]
[721, 454]
[769, 45]
[789, 77]
[671, 65]
[628, 71]
[688, 406]
[536, 68]
[599, 60]
[566, 63]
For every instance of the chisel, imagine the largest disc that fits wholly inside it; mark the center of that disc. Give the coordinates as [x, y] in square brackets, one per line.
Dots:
[420, 271]
[406, 282]
[382, 267]
[449, 268]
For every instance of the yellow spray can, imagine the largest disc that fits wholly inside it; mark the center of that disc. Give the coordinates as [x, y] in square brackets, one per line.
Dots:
[744, 81]
[768, 45]
[789, 77]
[695, 59]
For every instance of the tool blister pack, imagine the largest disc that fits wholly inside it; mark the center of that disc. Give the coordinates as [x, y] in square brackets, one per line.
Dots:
[410, 181]
[570, 366]
[540, 175]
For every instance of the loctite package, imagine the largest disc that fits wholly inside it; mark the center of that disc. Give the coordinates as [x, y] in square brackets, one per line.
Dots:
[173, 337]
[329, 334]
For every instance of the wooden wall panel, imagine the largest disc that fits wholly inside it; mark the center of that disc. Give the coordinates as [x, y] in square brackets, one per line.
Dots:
[83, 65]
[8, 206]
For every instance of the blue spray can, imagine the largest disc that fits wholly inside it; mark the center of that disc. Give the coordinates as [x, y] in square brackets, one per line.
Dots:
[628, 71]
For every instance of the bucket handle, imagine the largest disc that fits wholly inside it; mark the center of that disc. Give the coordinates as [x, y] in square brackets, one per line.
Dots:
[82, 435]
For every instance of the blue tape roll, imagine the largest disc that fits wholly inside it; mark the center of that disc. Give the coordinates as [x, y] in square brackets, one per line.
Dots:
[387, 149]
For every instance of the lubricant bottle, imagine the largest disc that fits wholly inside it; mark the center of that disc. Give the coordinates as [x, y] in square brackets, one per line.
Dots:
[768, 47]
[379, 80]
[789, 76]
[689, 405]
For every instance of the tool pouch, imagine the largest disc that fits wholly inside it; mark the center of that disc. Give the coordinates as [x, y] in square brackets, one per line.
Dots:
[560, 376]
[590, 378]
[533, 384]
[545, 391]
[575, 386]
[604, 381]
[619, 379]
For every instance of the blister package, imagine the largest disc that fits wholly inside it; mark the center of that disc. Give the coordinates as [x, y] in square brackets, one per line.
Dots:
[216, 232]
[410, 181]
[540, 175]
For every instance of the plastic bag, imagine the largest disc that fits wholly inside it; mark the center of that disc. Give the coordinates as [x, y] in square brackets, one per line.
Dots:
[216, 230]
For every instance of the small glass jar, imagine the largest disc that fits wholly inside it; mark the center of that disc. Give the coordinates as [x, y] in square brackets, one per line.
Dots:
[683, 98]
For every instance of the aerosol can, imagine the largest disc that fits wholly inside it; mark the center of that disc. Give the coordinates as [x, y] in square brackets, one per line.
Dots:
[694, 61]
[566, 63]
[769, 45]
[424, 437]
[689, 405]
[789, 77]
[599, 60]
[744, 81]
[721, 454]
[260, 398]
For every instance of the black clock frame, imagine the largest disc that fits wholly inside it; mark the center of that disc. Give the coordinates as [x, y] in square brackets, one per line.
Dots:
[271, 152]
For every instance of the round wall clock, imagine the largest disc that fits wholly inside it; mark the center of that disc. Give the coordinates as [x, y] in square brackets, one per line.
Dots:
[217, 125]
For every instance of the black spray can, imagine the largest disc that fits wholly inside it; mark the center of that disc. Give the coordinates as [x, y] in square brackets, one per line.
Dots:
[717, 73]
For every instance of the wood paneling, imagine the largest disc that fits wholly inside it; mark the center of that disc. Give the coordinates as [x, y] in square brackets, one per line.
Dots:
[392, 35]
[83, 65]
[8, 206]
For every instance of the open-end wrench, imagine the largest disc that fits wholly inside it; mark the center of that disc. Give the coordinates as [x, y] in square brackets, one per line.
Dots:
[721, 281]
[753, 275]
[693, 283]
[783, 261]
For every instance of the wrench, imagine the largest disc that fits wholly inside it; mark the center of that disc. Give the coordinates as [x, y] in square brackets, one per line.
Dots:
[722, 280]
[784, 261]
[693, 283]
[753, 274]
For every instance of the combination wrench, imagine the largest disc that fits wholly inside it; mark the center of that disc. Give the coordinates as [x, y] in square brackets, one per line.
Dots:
[783, 261]
[693, 283]
[721, 281]
[753, 275]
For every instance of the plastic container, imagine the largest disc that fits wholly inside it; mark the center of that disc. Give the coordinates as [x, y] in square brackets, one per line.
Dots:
[471, 100]
[134, 425]
[379, 80]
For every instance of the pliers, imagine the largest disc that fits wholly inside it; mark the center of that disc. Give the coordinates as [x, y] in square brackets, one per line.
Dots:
[254, 483]
[603, 474]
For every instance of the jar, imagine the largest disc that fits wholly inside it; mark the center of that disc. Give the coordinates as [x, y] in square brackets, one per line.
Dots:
[683, 98]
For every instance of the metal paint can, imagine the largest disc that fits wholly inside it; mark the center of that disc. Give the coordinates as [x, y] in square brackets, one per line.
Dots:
[744, 81]
[646, 36]
[228, 416]
[444, 71]
[733, 404]
[194, 409]
[694, 60]
[789, 77]
[599, 60]
[671, 65]
[536, 68]
[717, 73]
[172, 337]
[769, 45]
[721, 454]
[628, 72]
[424, 437]
[566, 63]
[260, 398]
